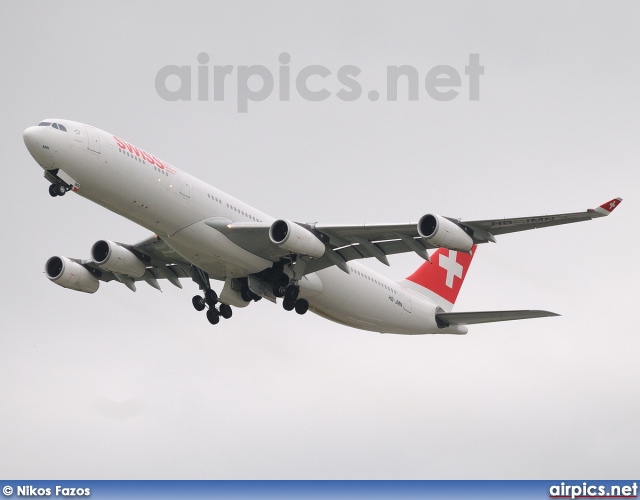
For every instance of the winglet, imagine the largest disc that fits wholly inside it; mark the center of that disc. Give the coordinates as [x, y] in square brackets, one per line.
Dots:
[608, 207]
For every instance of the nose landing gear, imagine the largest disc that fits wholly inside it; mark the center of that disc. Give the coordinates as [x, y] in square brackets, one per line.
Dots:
[57, 190]
[58, 186]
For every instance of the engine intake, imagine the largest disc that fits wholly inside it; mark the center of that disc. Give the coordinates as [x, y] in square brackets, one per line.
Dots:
[296, 239]
[117, 259]
[69, 274]
[442, 232]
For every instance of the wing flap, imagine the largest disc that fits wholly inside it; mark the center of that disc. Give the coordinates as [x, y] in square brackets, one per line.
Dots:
[472, 318]
[352, 241]
[358, 251]
[345, 234]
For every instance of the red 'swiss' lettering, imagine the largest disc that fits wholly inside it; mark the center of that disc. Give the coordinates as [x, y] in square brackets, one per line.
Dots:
[148, 157]
[158, 163]
[124, 145]
[133, 149]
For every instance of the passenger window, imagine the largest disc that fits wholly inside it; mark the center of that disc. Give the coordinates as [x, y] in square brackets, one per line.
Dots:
[62, 127]
[54, 125]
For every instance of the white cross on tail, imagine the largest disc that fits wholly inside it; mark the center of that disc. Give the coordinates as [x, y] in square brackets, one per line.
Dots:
[450, 265]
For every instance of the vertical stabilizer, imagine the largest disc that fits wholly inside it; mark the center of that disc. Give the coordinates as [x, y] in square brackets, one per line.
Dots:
[442, 278]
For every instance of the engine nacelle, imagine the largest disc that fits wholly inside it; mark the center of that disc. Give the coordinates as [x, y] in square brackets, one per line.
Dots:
[69, 274]
[112, 257]
[296, 239]
[442, 232]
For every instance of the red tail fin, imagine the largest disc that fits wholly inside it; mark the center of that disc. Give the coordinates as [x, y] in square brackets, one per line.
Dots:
[444, 275]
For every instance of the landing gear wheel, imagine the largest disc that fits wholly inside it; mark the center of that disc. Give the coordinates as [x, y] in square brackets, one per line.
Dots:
[52, 190]
[59, 189]
[225, 311]
[210, 297]
[288, 304]
[291, 292]
[198, 303]
[302, 306]
[246, 294]
[213, 316]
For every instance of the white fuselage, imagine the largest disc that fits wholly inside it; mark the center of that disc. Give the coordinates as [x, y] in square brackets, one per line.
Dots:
[175, 206]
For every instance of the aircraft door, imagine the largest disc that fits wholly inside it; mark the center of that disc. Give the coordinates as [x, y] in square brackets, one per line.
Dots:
[406, 302]
[94, 140]
[185, 185]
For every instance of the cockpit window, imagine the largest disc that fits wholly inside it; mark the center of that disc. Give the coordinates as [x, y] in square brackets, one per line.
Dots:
[44, 124]
[54, 125]
[62, 127]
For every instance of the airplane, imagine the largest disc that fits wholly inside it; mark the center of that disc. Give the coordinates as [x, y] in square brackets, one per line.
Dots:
[202, 233]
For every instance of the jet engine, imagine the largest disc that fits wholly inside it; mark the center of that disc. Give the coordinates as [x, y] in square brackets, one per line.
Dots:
[296, 239]
[117, 259]
[443, 233]
[67, 273]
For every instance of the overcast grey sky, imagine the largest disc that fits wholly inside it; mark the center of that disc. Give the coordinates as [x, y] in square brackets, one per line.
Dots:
[123, 385]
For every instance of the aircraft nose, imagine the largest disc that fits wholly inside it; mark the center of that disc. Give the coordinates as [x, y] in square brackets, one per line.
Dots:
[33, 141]
[40, 146]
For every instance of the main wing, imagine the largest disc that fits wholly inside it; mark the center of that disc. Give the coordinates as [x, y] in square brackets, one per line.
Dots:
[160, 260]
[345, 242]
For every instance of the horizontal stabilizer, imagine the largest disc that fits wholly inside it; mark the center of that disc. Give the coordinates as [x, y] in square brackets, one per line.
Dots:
[470, 318]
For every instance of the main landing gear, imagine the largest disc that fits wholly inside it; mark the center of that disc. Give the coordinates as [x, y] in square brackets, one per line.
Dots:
[288, 288]
[291, 300]
[247, 295]
[210, 300]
